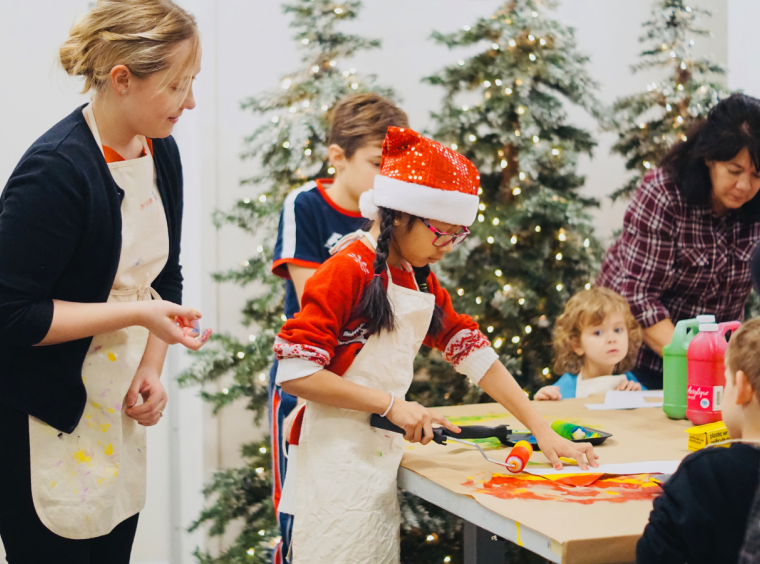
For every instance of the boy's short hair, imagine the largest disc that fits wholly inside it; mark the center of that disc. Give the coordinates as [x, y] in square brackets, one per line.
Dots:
[361, 119]
[588, 308]
[743, 353]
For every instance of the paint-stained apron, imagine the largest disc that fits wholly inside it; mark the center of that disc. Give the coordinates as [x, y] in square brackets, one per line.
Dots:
[86, 483]
[346, 493]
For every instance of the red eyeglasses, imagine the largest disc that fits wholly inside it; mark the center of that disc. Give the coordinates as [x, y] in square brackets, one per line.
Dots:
[442, 239]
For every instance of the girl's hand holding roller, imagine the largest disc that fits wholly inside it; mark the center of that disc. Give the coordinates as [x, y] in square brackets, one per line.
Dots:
[417, 421]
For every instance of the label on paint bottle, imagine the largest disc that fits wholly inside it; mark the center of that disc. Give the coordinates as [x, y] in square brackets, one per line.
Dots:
[704, 398]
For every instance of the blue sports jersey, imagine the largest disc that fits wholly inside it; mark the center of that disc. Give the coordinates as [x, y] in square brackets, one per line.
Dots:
[310, 225]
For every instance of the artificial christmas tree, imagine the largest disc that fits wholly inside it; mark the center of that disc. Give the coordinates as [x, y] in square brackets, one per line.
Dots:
[291, 148]
[532, 245]
[649, 123]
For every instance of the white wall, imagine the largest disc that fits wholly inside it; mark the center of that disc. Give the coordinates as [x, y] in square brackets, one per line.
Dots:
[744, 68]
[247, 48]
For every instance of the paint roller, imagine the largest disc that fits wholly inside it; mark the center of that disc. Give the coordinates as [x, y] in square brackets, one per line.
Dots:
[518, 457]
[572, 432]
[516, 460]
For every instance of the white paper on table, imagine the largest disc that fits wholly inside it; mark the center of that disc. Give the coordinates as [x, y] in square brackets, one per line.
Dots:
[627, 400]
[655, 467]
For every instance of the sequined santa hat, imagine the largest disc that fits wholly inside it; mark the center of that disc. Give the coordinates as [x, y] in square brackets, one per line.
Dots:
[423, 178]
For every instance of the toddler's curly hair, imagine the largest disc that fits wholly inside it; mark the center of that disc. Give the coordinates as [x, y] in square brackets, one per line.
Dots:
[588, 308]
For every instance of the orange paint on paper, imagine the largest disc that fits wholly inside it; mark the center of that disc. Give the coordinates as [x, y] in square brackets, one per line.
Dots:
[576, 479]
[112, 357]
[612, 490]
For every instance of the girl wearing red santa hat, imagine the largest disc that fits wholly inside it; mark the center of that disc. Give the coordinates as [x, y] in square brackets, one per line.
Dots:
[349, 353]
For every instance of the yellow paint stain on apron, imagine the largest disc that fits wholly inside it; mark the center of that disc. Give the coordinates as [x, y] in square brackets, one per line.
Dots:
[114, 472]
[81, 457]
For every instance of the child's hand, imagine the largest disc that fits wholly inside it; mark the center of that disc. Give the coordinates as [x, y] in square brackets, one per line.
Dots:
[548, 393]
[553, 446]
[628, 386]
[417, 421]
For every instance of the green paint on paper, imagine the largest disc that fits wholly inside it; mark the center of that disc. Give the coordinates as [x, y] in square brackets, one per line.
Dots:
[477, 418]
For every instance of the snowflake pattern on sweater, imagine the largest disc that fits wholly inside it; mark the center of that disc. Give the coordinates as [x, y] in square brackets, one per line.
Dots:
[462, 344]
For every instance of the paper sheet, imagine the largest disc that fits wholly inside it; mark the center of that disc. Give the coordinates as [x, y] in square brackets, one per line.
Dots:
[627, 400]
[598, 531]
[654, 467]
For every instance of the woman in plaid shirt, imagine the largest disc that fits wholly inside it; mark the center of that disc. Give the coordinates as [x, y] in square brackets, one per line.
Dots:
[690, 230]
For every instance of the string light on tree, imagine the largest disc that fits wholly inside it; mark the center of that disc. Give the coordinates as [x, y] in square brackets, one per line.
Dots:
[289, 148]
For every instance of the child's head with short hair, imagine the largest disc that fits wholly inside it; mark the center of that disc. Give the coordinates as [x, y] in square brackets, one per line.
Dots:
[742, 362]
[597, 326]
[358, 124]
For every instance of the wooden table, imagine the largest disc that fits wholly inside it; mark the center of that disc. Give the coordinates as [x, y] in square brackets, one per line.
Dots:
[566, 532]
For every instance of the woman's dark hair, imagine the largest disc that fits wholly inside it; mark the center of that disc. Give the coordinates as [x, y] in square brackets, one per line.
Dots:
[732, 125]
[375, 305]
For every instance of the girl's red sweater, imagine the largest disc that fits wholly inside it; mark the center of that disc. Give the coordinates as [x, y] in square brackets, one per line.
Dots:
[326, 334]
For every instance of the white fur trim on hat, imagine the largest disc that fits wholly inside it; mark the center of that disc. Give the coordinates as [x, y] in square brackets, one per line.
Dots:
[449, 206]
[367, 206]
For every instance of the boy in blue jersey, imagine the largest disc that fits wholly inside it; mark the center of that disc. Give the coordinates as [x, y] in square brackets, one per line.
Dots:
[314, 218]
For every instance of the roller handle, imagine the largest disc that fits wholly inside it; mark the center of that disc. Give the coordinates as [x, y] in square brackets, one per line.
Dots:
[440, 433]
[384, 423]
[479, 432]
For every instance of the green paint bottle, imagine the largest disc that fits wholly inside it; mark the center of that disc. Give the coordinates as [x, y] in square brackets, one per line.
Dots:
[675, 373]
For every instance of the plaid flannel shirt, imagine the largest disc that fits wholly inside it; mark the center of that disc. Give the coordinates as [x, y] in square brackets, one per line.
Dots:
[676, 260]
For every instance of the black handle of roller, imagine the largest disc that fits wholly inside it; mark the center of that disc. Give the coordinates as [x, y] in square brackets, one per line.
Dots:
[383, 423]
[479, 432]
[500, 432]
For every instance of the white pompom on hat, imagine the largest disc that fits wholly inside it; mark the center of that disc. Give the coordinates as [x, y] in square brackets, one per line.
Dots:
[367, 206]
[422, 177]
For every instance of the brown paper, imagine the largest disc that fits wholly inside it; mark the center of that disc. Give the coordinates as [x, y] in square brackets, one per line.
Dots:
[597, 533]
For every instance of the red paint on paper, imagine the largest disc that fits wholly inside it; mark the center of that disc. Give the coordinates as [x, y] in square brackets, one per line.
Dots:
[613, 489]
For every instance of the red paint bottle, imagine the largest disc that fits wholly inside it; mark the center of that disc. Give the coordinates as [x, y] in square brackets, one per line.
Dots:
[706, 377]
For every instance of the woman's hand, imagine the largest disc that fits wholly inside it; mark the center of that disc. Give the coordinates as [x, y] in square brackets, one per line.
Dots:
[417, 421]
[172, 323]
[553, 446]
[548, 393]
[146, 383]
[628, 386]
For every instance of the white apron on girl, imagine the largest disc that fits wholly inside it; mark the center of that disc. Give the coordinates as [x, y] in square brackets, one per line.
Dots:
[346, 494]
[86, 483]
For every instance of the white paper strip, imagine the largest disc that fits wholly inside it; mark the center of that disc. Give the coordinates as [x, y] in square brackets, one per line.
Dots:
[627, 400]
[656, 467]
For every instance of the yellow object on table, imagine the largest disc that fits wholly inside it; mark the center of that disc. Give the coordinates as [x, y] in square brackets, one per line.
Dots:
[597, 532]
[704, 435]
